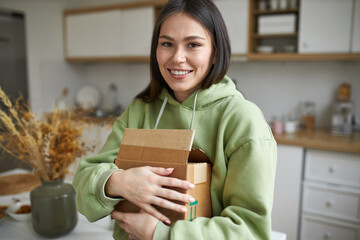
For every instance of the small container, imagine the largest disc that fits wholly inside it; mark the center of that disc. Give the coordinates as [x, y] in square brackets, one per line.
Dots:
[262, 5]
[344, 92]
[277, 125]
[274, 4]
[13, 211]
[291, 126]
[283, 4]
[308, 116]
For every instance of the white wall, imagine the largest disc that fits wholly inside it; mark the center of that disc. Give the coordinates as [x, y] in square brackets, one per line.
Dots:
[277, 88]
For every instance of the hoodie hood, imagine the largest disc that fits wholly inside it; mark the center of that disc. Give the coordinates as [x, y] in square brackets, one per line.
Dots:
[225, 88]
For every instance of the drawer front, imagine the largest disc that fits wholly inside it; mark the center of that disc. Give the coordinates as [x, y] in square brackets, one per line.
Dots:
[320, 230]
[333, 167]
[331, 202]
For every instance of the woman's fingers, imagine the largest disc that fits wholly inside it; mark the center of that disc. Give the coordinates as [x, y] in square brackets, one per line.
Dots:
[161, 171]
[175, 195]
[175, 182]
[151, 210]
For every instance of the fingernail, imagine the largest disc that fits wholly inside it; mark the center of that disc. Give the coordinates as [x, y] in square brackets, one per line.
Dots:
[167, 221]
[191, 185]
[191, 199]
[170, 169]
[183, 209]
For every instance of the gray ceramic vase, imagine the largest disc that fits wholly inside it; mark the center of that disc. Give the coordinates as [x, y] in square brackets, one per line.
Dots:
[53, 208]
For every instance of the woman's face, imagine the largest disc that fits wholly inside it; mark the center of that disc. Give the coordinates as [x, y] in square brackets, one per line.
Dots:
[184, 54]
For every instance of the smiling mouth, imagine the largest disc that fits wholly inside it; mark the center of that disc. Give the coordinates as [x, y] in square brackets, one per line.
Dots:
[180, 72]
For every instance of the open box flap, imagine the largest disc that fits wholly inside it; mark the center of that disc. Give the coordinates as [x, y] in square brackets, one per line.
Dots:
[179, 139]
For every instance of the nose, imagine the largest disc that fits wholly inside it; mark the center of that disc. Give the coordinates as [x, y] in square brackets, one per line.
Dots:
[179, 55]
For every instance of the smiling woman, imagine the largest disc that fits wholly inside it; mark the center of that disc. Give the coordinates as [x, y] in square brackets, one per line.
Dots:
[190, 55]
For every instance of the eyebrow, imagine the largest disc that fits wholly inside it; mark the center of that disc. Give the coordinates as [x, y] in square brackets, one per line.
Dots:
[186, 39]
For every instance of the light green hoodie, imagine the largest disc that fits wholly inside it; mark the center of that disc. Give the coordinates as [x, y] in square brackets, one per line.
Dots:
[235, 136]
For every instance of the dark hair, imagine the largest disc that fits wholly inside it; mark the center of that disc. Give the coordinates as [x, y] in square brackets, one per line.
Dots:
[206, 12]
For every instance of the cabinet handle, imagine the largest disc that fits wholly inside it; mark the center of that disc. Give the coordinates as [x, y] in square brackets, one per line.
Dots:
[328, 235]
[329, 203]
[332, 168]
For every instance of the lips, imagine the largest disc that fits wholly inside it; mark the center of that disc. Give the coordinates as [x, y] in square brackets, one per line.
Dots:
[178, 73]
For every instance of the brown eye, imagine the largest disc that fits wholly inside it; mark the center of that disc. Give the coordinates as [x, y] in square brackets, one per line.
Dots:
[194, 45]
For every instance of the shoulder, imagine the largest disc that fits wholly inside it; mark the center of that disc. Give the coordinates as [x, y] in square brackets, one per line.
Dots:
[246, 120]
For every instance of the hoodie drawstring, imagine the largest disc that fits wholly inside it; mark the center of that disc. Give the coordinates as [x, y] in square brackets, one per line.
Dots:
[163, 107]
[161, 111]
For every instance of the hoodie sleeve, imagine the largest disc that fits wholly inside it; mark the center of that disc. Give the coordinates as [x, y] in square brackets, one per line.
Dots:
[92, 175]
[247, 199]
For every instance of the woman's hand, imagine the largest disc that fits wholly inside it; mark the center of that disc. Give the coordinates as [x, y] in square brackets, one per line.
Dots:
[143, 186]
[139, 226]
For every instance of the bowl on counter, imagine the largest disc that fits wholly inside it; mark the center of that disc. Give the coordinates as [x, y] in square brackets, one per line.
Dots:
[19, 211]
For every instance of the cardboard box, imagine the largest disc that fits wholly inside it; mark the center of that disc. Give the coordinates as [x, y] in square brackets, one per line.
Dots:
[169, 148]
[277, 24]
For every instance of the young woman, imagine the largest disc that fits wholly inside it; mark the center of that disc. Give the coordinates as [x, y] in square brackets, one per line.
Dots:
[190, 56]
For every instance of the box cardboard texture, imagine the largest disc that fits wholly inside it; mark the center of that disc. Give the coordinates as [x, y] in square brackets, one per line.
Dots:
[169, 149]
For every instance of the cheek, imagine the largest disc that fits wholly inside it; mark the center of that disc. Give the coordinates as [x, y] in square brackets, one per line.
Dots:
[161, 57]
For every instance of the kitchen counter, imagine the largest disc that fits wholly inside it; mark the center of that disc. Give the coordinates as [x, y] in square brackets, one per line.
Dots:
[321, 139]
[101, 229]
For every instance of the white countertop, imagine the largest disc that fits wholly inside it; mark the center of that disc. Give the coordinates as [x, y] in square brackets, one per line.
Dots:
[11, 229]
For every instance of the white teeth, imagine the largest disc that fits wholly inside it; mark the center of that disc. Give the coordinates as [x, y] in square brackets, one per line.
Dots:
[179, 72]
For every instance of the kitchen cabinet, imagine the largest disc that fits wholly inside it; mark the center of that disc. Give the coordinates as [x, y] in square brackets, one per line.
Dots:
[235, 14]
[325, 26]
[119, 32]
[281, 30]
[323, 31]
[287, 194]
[93, 34]
[355, 47]
[331, 196]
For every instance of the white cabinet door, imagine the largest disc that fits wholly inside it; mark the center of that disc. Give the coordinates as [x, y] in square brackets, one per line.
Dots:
[356, 28]
[93, 34]
[325, 26]
[137, 26]
[287, 195]
[112, 33]
[235, 14]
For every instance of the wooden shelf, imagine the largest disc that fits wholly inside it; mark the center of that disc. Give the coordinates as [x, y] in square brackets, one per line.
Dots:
[260, 36]
[301, 57]
[109, 59]
[280, 11]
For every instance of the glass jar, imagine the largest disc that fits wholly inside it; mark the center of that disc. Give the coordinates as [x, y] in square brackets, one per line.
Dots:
[308, 116]
[54, 210]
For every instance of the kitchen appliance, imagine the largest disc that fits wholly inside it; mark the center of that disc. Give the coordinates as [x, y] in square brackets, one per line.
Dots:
[342, 118]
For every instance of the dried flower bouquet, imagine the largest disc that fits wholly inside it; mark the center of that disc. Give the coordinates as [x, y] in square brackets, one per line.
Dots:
[49, 144]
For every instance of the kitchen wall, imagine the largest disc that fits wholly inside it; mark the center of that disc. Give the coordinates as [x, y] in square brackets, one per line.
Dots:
[277, 87]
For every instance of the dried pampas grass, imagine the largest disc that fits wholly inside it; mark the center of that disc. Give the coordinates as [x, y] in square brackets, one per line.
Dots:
[49, 145]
